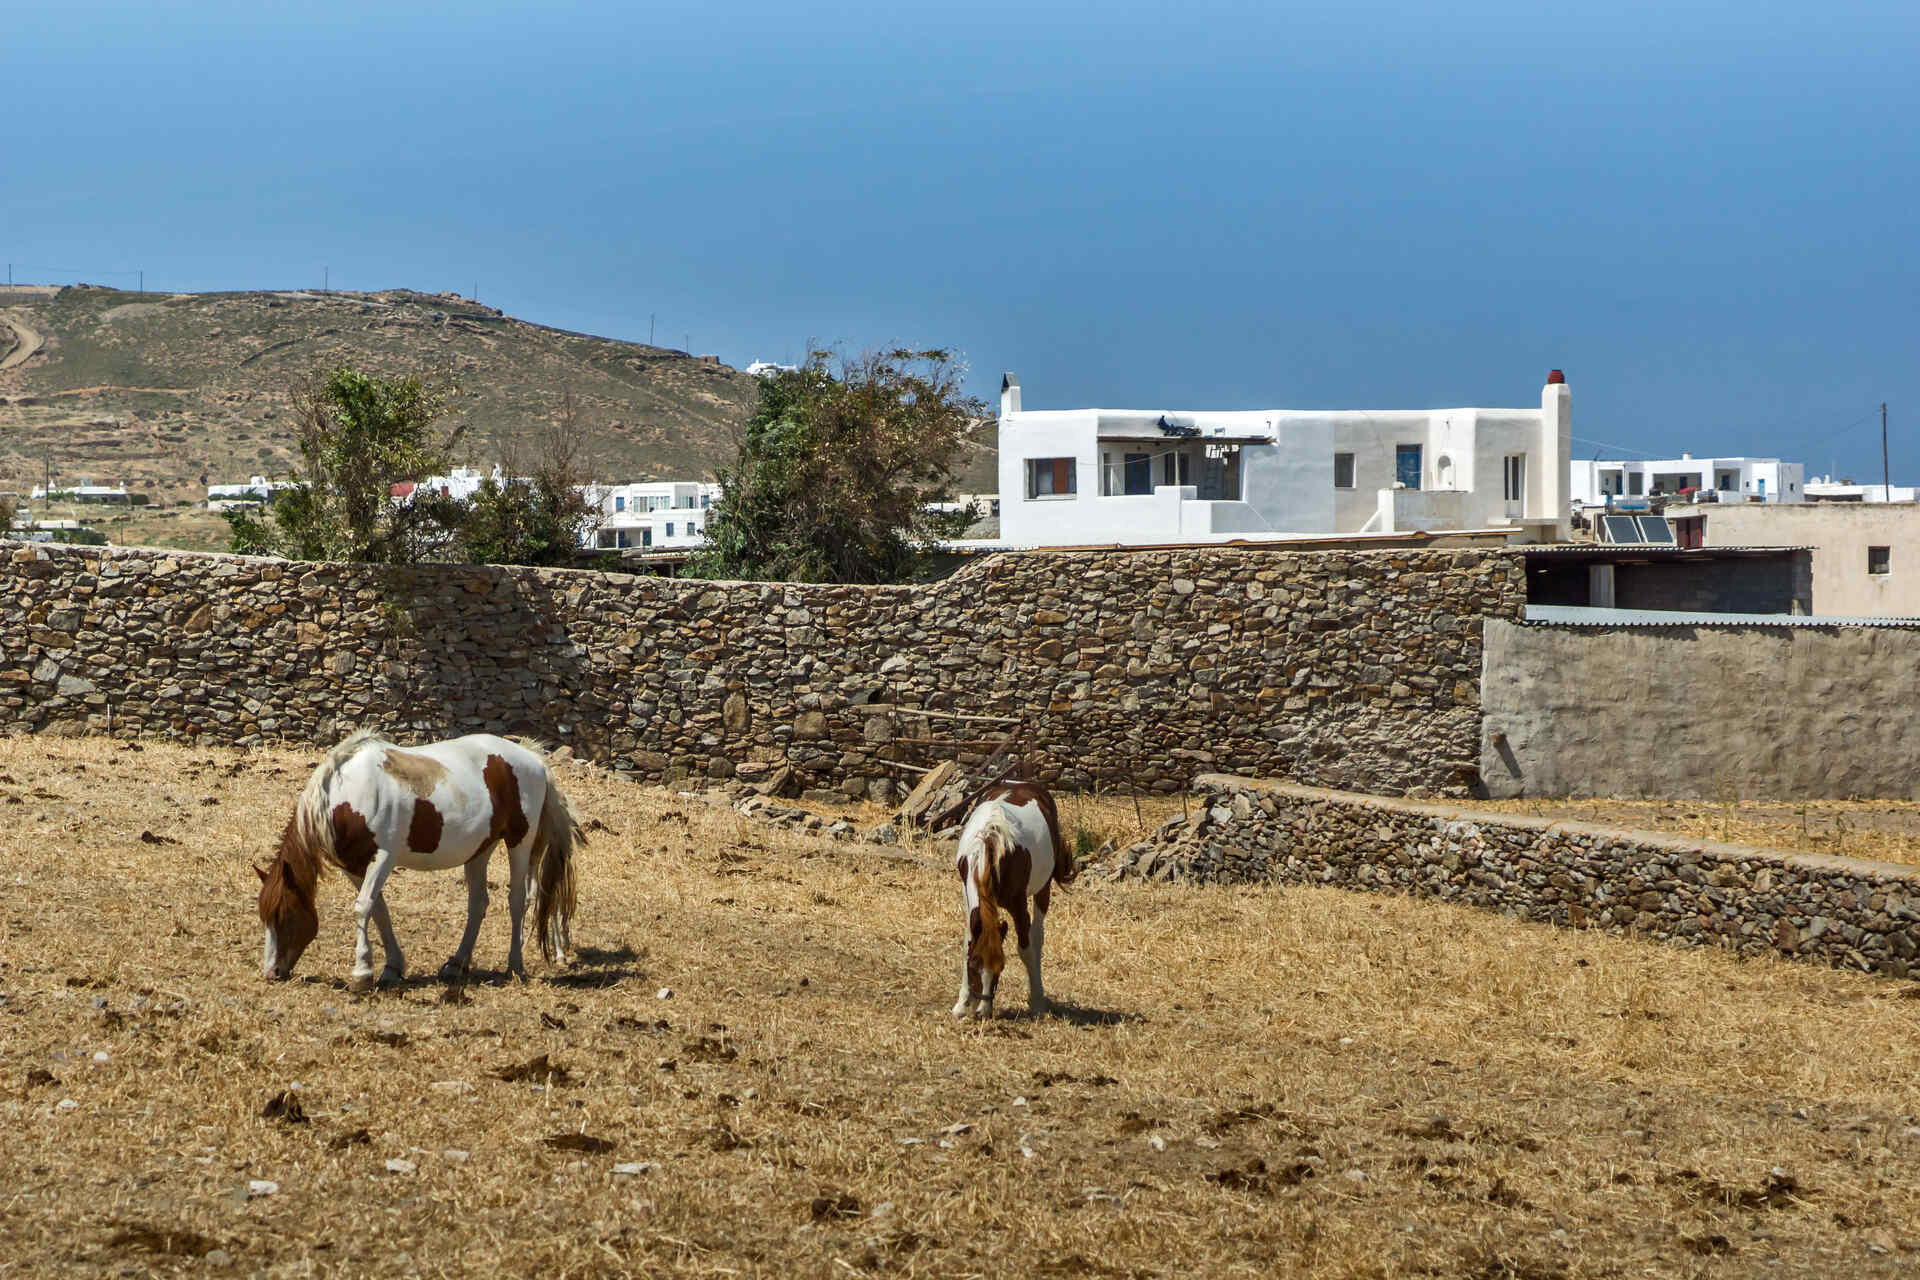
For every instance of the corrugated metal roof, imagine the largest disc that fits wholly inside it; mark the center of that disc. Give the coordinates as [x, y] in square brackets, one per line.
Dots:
[1639, 548]
[1572, 615]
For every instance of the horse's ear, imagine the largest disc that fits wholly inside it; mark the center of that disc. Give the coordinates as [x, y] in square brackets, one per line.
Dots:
[259, 871]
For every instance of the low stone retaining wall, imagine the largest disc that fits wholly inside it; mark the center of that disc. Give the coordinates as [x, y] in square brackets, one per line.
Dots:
[1840, 911]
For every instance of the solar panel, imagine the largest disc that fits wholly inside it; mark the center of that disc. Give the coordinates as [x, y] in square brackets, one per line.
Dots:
[1656, 529]
[1621, 529]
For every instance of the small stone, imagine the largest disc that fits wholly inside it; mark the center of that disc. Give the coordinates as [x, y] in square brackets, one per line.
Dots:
[1356, 1176]
[1157, 1142]
[455, 1155]
[216, 1257]
[261, 1187]
[101, 1056]
[956, 1129]
[401, 1166]
[664, 993]
[452, 1086]
[66, 1104]
[634, 1168]
[1019, 1102]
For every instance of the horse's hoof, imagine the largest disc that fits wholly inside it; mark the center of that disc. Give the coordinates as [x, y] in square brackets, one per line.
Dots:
[361, 983]
[959, 1010]
[982, 1012]
[452, 971]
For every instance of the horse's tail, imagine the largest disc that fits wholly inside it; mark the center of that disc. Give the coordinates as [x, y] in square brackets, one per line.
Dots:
[312, 824]
[986, 887]
[553, 873]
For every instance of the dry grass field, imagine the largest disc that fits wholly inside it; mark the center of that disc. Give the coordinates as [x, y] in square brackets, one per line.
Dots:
[1882, 830]
[750, 1071]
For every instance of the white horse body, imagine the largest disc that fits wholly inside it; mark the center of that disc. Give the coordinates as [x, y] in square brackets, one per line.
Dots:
[459, 796]
[373, 806]
[1009, 854]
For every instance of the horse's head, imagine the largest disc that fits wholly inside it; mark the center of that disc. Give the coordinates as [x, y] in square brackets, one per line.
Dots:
[286, 909]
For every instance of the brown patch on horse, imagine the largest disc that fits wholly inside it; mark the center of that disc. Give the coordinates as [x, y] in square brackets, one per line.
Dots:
[1015, 873]
[1021, 793]
[509, 819]
[353, 842]
[417, 773]
[423, 833]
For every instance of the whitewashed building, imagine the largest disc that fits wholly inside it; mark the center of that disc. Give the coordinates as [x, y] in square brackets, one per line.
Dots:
[1143, 476]
[257, 490]
[1721, 479]
[662, 515]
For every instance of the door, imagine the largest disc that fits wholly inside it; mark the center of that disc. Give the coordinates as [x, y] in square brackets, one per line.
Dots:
[1406, 465]
[1514, 485]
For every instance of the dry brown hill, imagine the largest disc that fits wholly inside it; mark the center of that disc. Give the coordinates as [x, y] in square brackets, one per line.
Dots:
[168, 392]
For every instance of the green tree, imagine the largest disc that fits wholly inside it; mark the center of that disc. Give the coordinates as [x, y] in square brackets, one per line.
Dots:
[541, 517]
[836, 472]
[358, 434]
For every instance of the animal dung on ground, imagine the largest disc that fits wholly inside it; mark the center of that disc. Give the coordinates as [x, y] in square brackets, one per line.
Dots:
[577, 1142]
[839, 1205]
[284, 1106]
[540, 1070]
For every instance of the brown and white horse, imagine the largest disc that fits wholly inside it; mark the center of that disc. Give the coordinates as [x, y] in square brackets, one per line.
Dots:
[372, 806]
[1010, 852]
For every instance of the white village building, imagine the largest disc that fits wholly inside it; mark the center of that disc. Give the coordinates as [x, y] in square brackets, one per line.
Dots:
[663, 515]
[1144, 476]
[259, 489]
[1721, 479]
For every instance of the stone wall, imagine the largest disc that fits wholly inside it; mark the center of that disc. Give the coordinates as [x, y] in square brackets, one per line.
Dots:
[1840, 911]
[1353, 669]
[1737, 712]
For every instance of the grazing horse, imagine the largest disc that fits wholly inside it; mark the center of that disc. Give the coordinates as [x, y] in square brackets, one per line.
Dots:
[372, 806]
[1010, 851]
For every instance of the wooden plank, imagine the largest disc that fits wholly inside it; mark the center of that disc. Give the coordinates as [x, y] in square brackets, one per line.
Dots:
[937, 714]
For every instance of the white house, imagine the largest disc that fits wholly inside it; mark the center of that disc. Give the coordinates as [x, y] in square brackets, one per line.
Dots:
[1728, 479]
[1137, 477]
[664, 515]
[1827, 489]
[259, 489]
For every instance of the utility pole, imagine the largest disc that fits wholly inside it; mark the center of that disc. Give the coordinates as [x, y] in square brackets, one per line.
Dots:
[326, 278]
[143, 280]
[1886, 472]
[649, 316]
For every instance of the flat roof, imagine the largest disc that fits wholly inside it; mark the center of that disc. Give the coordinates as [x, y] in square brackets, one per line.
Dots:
[1576, 615]
[1656, 550]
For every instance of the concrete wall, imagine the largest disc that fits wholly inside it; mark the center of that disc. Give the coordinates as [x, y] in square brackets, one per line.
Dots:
[1356, 669]
[1700, 712]
[1840, 533]
[1837, 911]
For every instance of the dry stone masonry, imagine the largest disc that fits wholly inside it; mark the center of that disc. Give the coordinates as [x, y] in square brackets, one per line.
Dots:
[1138, 670]
[1842, 911]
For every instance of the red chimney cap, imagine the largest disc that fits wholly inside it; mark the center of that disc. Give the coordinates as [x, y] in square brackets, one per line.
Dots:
[1556, 378]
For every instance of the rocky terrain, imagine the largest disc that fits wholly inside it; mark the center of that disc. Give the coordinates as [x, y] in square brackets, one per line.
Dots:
[169, 392]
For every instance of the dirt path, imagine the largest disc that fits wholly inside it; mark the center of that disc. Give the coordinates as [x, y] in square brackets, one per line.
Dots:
[26, 344]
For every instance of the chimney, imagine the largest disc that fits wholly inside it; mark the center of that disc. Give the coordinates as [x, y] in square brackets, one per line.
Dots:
[1009, 394]
[1555, 451]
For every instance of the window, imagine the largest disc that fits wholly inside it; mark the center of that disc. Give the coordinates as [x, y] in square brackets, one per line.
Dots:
[706, 500]
[646, 537]
[1406, 465]
[1166, 470]
[1051, 477]
[669, 528]
[1343, 471]
[1879, 560]
[1514, 474]
[619, 503]
[1139, 473]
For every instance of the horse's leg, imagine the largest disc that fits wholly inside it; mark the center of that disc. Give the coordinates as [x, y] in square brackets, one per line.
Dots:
[519, 859]
[969, 980]
[364, 910]
[1030, 954]
[396, 966]
[476, 869]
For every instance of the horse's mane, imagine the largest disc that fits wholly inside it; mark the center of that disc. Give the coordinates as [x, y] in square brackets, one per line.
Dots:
[309, 833]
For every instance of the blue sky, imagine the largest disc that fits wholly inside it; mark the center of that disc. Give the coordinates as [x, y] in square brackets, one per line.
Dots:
[1704, 213]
